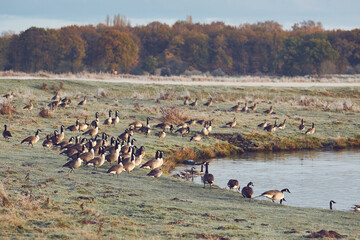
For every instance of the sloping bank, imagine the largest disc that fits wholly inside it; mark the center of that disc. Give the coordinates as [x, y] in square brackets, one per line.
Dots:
[231, 145]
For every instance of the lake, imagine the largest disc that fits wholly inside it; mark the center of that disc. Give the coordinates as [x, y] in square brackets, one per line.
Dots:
[314, 178]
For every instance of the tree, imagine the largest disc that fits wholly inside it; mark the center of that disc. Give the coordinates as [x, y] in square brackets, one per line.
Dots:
[116, 51]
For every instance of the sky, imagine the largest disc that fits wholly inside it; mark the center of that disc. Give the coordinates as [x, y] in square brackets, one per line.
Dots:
[19, 15]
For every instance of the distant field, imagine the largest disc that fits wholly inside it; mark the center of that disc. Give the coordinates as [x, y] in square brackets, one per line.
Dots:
[89, 204]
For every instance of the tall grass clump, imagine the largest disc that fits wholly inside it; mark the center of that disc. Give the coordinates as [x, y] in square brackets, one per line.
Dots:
[4, 200]
[7, 108]
[173, 115]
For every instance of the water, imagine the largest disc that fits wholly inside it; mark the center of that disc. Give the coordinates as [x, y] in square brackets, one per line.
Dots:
[314, 178]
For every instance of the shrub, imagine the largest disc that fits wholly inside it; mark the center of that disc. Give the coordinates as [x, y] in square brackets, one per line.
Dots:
[173, 115]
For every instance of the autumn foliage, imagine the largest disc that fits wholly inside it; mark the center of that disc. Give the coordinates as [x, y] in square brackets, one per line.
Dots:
[246, 49]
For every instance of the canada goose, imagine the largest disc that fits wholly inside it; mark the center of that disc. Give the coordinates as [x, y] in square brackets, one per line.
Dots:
[208, 177]
[116, 119]
[205, 130]
[47, 143]
[209, 126]
[263, 125]
[271, 128]
[282, 125]
[155, 162]
[331, 204]
[269, 111]
[186, 101]
[146, 129]
[96, 120]
[233, 184]
[209, 103]
[191, 122]
[182, 125]
[6, 133]
[197, 137]
[195, 103]
[56, 96]
[156, 173]
[98, 161]
[56, 139]
[116, 169]
[75, 127]
[183, 131]
[161, 134]
[247, 191]
[136, 125]
[87, 156]
[65, 102]
[73, 164]
[83, 126]
[311, 130]
[64, 144]
[83, 102]
[245, 108]
[108, 121]
[236, 108]
[302, 126]
[130, 143]
[93, 131]
[201, 122]
[232, 123]
[130, 165]
[275, 194]
[140, 151]
[114, 155]
[71, 152]
[32, 139]
[253, 107]
[30, 106]
[165, 126]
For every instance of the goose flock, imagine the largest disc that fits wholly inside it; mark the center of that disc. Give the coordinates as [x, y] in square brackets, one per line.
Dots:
[87, 146]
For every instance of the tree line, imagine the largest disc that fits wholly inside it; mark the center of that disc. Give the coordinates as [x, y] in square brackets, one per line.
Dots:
[247, 49]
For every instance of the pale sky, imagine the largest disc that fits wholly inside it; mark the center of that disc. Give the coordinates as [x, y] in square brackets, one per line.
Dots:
[19, 15]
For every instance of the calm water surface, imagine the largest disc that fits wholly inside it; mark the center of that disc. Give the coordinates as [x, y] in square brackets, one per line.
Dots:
[314, 178]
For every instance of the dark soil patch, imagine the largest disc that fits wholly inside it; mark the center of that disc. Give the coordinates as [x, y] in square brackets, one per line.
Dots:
[325, 234]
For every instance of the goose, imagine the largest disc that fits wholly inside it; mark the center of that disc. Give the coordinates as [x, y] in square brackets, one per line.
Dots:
[186, 101]
[271, 128]
[165, 126]
[233, 184]
[116, 119]
[183, 131]
[56, 96]
[130, 165]
[75, 127]
[161, 134]
[232, 123]
[209, 127]
[29, 106]
[282, 125]
[140, 151]
[87, 156]
[83, 126]
[269, 111]
[209, 103]
[114, 155]
[311, 130]
[73, 164]
[195, 103]
[98, 161]
[263, 125]
[6, 133]
[302, 126]
[136, 125]
[275, 195]
[205, 130]
[146, 129]
[191, 122]
[138, 159]
[124, 136]
[236, 108]
[247, 191]
[253, 107]
[182, 125]
[83, 102]
[108, 121]
[155, 162]
[208, 177]
[197, 137]
[116, 169]
[71, 152]
[93, 131]
[32, 139]
[56, 139]
[130, 143]
[245, 108]
[9, 95]
[331, 204]
[47, 143]
[201, 122]
[96, 121]
[156, 173]
[64, 144]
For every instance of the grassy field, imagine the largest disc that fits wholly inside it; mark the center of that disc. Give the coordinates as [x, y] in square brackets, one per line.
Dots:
[39, 199]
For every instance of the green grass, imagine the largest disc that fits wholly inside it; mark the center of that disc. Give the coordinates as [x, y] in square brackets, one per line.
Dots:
[91, 204]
